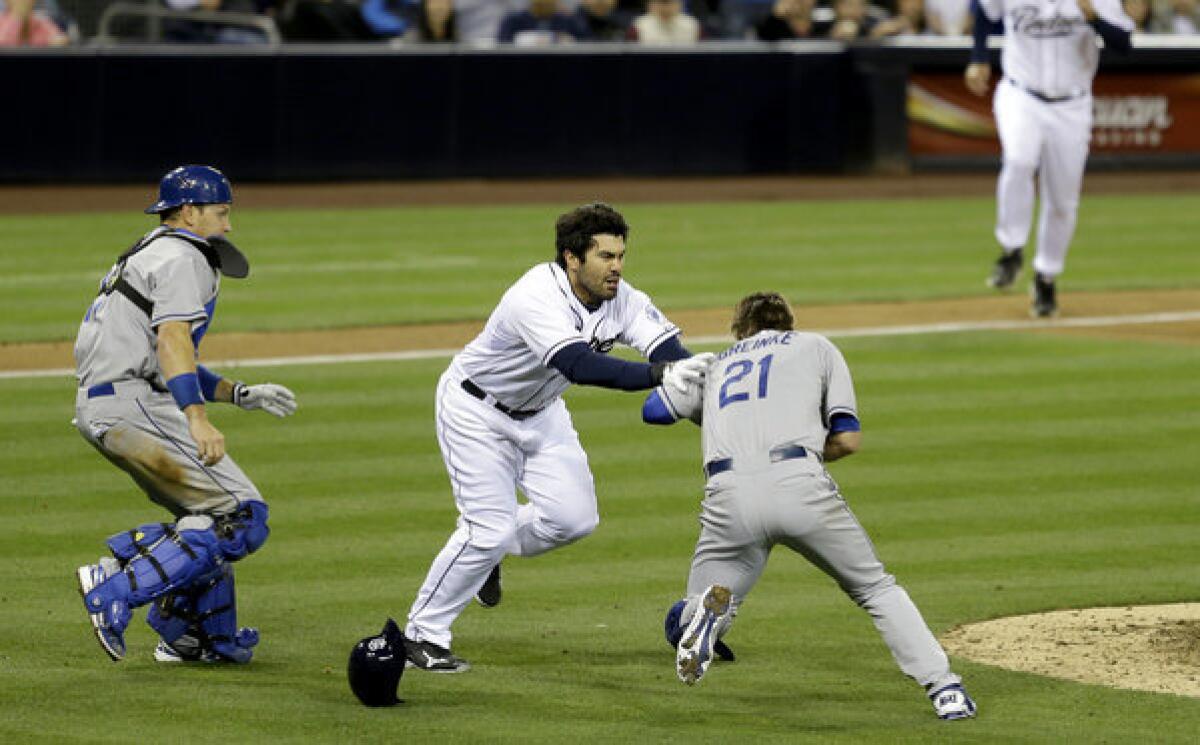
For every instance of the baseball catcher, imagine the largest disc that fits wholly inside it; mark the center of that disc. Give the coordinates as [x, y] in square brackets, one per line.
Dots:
[142, 403]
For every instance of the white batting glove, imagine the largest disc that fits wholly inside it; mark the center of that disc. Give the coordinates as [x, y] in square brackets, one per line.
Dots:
[270, 397]
[682, 374]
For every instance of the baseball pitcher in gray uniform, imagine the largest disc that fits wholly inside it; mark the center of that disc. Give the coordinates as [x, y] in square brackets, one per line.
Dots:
[141, 403]
[774, 408]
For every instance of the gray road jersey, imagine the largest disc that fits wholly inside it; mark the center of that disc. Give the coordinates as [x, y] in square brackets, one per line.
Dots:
[116, 340]
[771, 389]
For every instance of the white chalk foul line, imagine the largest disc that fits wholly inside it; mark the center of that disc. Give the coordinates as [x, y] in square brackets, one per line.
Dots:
[911, 330]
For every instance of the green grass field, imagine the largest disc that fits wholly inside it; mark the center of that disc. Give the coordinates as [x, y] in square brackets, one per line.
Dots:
[1002, 473]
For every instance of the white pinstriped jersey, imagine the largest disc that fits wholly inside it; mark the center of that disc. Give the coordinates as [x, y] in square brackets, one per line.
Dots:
[536, 318]
[1049, 47]
[774, 388]
[116, 339]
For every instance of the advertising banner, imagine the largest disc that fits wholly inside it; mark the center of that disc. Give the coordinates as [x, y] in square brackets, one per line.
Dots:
[1133, 113]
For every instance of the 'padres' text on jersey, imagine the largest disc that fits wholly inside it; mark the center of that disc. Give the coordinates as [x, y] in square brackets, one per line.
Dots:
[536, 318]
[116, 339]
[772, 389]
[1049, 46]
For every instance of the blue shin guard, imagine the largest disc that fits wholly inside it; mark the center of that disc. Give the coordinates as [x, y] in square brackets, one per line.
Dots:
[157, 559]
[216, 615]
[201, 623]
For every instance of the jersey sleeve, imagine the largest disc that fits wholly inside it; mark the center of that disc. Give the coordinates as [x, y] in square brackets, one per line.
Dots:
[1113, 12]
[176, 288]
[993, 9]
[643, 326]
[839, 387]
[544, 323]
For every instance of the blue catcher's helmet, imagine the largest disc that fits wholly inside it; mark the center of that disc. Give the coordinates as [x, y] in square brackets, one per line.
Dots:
[191, 185]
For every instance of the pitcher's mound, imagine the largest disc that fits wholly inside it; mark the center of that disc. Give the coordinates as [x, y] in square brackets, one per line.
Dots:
[1143, 647]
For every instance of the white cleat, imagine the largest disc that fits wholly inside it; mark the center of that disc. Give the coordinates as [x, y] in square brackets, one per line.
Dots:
[952, 702]
[695, 651]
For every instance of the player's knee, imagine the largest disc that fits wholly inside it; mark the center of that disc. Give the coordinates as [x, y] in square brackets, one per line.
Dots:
[243, 531]
[578, 526]
[865, 594]
[1062, 210]
[1016, 167]
[495, 538]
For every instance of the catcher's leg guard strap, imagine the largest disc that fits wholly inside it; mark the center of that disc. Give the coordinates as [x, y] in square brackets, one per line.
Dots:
[172, 616]
[158, 559]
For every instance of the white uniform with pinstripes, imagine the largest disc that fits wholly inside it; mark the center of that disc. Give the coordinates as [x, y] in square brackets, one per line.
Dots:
[779, 389]
[1049, 51]
[489, 455]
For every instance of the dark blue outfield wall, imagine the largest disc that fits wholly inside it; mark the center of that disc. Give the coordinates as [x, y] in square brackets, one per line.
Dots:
[368, 112]
[314, 113]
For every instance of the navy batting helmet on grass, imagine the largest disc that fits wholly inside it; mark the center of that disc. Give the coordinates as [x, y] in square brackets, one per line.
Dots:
[191, 185]
[376, 664]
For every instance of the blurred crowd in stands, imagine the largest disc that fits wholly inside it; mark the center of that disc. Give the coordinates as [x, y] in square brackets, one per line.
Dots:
[523, 23]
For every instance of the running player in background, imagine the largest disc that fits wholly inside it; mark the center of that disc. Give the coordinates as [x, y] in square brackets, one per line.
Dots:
[775, 407]
[1043, 109]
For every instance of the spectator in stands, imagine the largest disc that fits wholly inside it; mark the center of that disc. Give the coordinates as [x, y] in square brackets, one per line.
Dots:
[708, 12]
[321, 20]
[1139, 12]
[543, 24]
[850, 20]
[790, 19]
[909, 19]
[665, 23]
[599, 20]
[1177, 17]
[948, 17]
[22, 26]
[741, 18]
[201, 32]
[436, 22]
[478, 21]
[388, 19]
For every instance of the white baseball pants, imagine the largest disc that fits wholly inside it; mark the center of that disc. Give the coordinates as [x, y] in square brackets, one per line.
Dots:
[1051, 141]
[488, 456]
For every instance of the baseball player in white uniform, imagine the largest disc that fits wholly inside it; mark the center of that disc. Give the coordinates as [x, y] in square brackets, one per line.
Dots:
[141, 403]
[502, 424]
[775, 407]
[1043, 109]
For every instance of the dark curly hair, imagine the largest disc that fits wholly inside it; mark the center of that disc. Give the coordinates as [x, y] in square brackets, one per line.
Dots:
[576, 230]
[759, 311]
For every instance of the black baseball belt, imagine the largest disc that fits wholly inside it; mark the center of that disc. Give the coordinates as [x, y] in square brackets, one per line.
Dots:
[479, 393]
[1042, 96]
[776, 454]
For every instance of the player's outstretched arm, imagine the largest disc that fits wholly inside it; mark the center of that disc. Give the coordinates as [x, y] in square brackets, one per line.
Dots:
[582, 366]
[270, 397]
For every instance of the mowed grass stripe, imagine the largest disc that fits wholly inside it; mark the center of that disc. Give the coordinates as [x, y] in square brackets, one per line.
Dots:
[1001, 473]
[339, 268]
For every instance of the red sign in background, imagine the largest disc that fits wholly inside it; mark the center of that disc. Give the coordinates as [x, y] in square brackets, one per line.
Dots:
[1132, 113]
